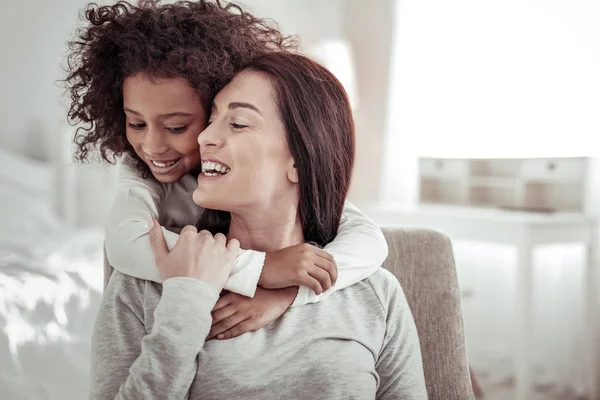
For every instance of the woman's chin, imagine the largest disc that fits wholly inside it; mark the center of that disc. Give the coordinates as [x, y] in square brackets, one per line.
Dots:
[208, 193]
[203, 199]
[198, 197]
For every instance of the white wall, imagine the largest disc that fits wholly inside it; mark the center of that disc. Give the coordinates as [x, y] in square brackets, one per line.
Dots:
[311, 20]
[369, 27]
[491, 79]
[33, 37]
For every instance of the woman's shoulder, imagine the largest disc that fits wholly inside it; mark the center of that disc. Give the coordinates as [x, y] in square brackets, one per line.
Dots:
[130, 289]
[140, 296]
[384, 280]
[386, 287]
[124, 287]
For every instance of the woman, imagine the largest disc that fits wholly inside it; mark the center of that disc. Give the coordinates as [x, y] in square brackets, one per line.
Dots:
[283, 129]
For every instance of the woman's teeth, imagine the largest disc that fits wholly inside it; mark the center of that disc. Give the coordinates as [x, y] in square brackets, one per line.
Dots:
[211, 168]
[164, 164]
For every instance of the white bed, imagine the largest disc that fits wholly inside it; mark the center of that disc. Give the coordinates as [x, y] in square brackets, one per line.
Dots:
[50, 287]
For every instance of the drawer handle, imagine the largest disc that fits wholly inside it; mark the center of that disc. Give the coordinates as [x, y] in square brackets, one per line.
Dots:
[551, 166]
[439, 164]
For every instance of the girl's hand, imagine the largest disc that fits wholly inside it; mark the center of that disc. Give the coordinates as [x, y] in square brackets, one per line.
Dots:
[235, 314]
[196, 255]
[301, 264]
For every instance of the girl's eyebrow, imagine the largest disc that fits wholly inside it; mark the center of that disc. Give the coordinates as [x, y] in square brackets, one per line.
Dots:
[132, 111]
[162, 116]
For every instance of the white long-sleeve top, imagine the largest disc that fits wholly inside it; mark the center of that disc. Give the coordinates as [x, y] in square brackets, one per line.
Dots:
[359, 248]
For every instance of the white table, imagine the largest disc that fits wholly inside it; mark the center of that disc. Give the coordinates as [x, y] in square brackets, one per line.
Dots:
[525, 231]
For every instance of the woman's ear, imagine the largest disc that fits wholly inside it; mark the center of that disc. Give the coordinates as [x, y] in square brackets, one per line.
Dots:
[292, 172]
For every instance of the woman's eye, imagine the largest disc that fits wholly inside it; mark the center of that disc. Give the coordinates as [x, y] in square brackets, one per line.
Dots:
[178, 129]
[136, 126]
[238, 126]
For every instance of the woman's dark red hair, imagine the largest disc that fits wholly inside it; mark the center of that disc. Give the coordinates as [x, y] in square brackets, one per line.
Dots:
[316, 112]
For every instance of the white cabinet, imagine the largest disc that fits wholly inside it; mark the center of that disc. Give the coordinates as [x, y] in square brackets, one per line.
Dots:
[535, 184]
[448, 168]
[568, 169]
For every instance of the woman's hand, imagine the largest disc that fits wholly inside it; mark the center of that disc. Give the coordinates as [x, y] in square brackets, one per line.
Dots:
[301, 264]
[196, 255]
[235, 314]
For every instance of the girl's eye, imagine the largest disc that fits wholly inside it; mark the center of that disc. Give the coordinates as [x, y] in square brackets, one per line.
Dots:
[136, 126]
[178, 129]
[238, 126]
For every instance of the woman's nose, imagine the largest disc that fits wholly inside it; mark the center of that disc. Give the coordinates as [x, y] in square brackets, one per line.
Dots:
[211, 136]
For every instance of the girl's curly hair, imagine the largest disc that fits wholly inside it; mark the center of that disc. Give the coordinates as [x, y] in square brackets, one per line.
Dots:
[205, 42]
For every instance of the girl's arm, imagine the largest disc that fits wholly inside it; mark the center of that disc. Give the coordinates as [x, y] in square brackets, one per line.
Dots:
[127, 242]
[359, 249]
[126, 236]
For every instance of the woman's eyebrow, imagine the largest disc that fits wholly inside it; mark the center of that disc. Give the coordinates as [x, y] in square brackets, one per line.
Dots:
[237, 104]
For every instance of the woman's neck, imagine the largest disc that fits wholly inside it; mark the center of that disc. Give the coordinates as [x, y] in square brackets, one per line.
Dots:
[269, 230]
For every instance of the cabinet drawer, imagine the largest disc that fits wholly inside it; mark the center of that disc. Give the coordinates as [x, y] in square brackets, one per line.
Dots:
[554, 169]
[440, 167]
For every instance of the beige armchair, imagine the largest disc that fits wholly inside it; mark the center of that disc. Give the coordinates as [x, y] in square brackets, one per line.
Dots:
[423, 262]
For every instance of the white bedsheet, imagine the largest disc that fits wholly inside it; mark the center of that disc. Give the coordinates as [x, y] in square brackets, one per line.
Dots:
[50, 289]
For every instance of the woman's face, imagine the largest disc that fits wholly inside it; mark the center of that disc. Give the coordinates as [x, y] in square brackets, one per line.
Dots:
[164, 118]
[246, 161]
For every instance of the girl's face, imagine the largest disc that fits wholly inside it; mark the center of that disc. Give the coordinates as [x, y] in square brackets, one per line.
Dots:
[164, 118]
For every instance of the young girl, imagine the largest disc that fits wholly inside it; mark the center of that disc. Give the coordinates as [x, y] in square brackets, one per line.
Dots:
[116, 82]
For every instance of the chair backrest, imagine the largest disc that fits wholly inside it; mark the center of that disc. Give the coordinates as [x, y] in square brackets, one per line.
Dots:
[423, 262]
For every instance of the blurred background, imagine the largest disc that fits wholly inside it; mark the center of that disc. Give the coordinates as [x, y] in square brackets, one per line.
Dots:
[479, 118]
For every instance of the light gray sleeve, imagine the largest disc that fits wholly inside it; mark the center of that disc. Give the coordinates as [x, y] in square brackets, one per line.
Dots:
[128, 362]
[399, 365]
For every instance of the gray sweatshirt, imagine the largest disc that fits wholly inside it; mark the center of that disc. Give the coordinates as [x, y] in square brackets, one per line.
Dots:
[149, 343]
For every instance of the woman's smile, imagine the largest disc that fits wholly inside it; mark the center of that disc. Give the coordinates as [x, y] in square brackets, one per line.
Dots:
[214, 168]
